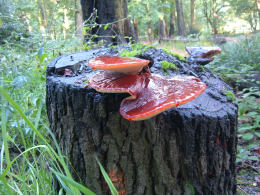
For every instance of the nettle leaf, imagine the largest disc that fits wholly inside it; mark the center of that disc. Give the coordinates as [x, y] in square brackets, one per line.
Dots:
[40, 52]
[257, 134]
[255, 158]
[252, 114]
[243, 129]
[247, 136]
[20, 81]
[106, 26]
[41, 55]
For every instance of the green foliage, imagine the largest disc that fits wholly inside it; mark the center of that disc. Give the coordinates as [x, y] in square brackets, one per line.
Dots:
[166, 65]
[238, 60]
[247, 10]
[13, 26]
[249, 117]
[179, 57]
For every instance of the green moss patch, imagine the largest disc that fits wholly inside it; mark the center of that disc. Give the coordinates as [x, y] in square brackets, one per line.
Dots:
[166, 65]
[179, 57]
[136, 49]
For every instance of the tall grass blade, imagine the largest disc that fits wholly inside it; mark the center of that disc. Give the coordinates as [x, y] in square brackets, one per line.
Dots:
[4, 135]
[108, 180]
[82, 188]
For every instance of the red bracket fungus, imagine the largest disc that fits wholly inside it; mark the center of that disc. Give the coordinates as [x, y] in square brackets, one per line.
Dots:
[203, 52]
[127, 65]
[151, 94]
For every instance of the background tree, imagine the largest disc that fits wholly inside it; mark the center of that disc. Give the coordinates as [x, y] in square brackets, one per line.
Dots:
[109, 19]
[192, 15]
[180, 18]
[172, 18]
[248, 10]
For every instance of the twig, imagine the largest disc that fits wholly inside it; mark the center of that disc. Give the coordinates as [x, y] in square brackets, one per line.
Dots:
[246, 183]
[243, 190]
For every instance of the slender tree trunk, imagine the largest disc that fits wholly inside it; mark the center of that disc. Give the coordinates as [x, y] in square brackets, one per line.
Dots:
[172, 19]
[110, 12]
[150, 31]
[78, 19]
[171, 29]
[136, 29]
[180, 18]
[192, 15]
[215, 16]
[162, 31]
[258, 10]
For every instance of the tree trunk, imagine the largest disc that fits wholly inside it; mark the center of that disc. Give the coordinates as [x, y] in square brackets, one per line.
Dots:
[190, 149]
[180, 18]
[215, 16]
[78, 19]
[162, 32]
[150, 31]
[136, 29]
[192, 15]
[171, 29]
[109, 12]
[258, 12]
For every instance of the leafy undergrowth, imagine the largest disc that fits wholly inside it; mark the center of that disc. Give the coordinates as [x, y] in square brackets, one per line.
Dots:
[248, 164]
[239, 65]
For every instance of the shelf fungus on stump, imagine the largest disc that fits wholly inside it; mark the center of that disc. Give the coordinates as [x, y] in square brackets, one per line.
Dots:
[202, 55]
[150, 93]
[127, 65]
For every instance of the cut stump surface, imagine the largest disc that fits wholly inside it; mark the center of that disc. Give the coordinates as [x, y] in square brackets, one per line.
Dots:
[189, 149]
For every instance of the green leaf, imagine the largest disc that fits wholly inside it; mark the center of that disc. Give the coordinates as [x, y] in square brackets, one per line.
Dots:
[106, 26]
[257, 134]
[40, 52]
[244, 129]
[252, 114]
[247, 136]
[20, 81]
[255, 158]
[108, 180]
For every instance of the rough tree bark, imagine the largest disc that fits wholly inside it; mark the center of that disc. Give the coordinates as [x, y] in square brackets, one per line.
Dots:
[162, 31]
[257, 2]
[190, 149]
[180, 18]
[78, 19]
[135, 22]
[172, 19]
[192, 15]
[215, 17]
[108, 12]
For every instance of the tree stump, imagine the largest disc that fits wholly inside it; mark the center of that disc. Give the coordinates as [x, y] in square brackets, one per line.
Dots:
[190, 149]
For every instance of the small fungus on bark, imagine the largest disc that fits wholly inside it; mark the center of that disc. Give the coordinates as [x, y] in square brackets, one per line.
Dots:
[203, 55]
[128, 65]
[150, 93]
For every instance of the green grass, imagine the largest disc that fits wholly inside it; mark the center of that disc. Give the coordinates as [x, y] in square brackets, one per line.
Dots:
[38, 161]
